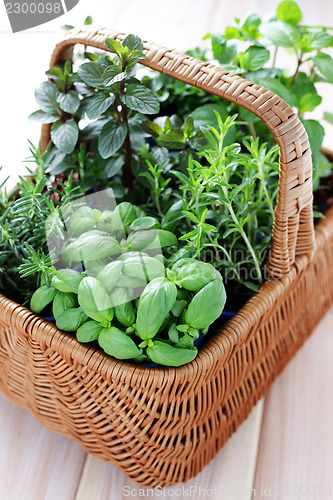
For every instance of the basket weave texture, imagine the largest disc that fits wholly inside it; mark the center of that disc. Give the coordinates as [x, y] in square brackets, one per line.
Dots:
[163, 425]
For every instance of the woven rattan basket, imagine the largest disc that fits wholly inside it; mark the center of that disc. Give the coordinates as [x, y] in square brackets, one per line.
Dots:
[163, 425]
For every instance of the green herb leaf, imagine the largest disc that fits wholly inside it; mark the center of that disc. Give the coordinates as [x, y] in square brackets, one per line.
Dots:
[324, 63]
[289, 12]
[98, 104]
[207, 305]
[155, 303]
[89, 331]
[141, 99]
[65, 135]
[41, 298]
[92, 74]
[92, 296]
[116, 343]
[279, 33]
[115, 46]
[111, 73]
[224, 50]
[69, 102]
[133, 42]
[328, 117]
[41, 116]
[172, 140]
[316, 133]
[46, 96]
[165, 354]
[71, 319]
[88, 20]
[111, 138]
[254, 58]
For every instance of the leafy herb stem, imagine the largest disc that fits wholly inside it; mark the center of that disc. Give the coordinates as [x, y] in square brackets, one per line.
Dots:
[128, 177]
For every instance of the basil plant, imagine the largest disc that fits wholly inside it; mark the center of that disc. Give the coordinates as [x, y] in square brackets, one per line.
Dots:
[115, 285]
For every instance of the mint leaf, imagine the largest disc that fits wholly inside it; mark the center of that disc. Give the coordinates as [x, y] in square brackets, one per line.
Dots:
[69, 102]
[46, 96]
[141, 99]
[224, 50]
[41, 116]
[309, 102]
[328, 117]
[98, 104]
[320, 39]
[65, 135]
[115, 46]
[254, 58]
[324, 63]
[279, 33]
[316, 134]
[289, 12]
[172, 140]
[91, 73]
[111, 138]
[133, 42]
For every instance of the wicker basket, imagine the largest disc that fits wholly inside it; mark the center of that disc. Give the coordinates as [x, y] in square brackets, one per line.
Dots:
[163, 425]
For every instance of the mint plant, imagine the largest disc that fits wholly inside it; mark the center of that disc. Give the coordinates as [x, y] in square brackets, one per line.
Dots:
[251, 48]
[105, 88]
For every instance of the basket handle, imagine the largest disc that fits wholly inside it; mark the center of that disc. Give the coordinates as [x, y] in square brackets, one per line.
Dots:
[293, 229]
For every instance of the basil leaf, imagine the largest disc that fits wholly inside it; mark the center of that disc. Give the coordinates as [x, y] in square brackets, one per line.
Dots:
[65, 135]
[207, 305]
[92, 296]
[116, 343]
[193, 274]
[67, 280]
[82, 220]
[71, 319]
[62, 302]
[165, 354]
[155, 303]
[41, 298]
[109, 275]
[89, 331]
[123, 307]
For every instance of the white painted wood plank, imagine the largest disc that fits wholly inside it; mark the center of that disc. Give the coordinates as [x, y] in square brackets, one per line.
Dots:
[297, 440]
[35, 463]
[231, 471]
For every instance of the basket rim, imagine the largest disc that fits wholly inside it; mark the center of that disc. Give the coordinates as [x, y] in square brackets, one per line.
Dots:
[216, 350]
